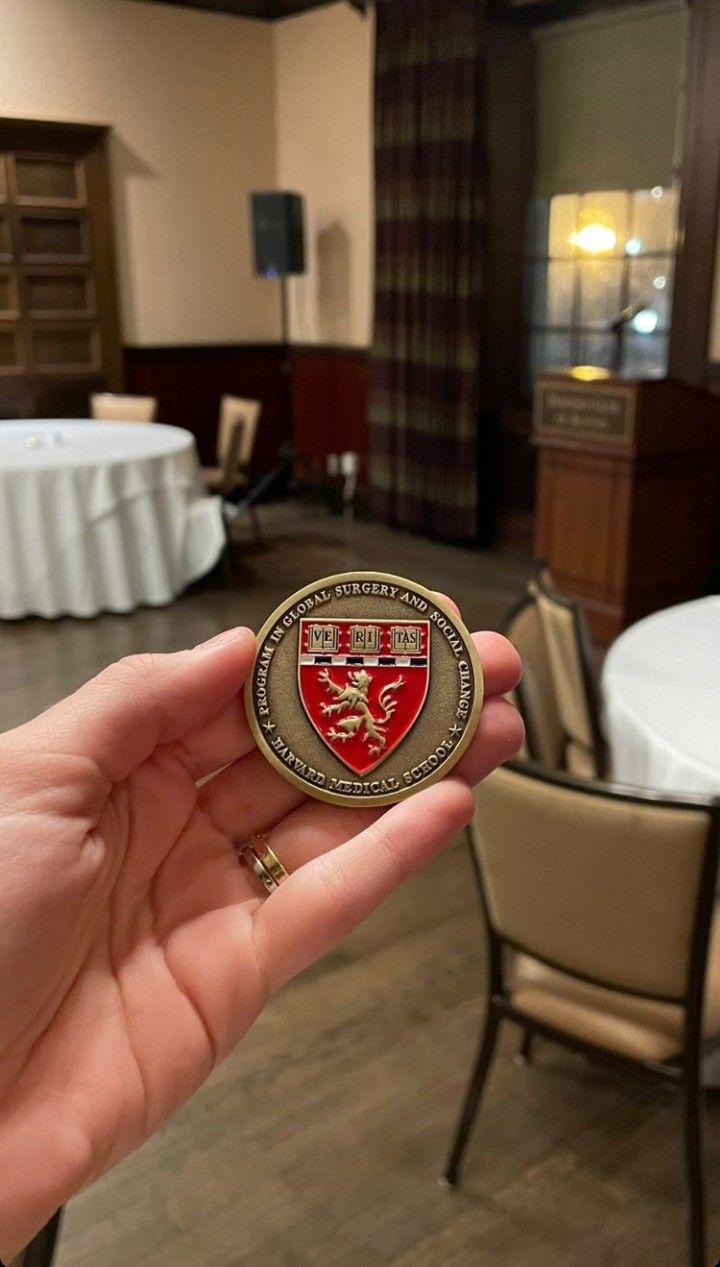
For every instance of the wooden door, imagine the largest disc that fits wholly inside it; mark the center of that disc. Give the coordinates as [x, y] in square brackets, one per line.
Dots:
[59, 337]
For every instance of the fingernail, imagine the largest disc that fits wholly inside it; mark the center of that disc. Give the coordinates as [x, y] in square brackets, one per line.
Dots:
[227, 635]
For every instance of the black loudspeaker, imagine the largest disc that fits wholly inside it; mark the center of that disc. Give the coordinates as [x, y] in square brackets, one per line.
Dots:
[278, 238]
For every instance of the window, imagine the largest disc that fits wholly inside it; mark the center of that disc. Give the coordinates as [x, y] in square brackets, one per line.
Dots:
[591, 257]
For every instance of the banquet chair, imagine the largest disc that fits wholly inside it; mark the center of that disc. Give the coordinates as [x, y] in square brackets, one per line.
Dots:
[534, 696]
[113, 407]
[237, 431]
[575, 689]
[603, 935]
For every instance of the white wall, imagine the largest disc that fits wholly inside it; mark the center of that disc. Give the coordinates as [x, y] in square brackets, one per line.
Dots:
[608, 92]
[323, 84]
[190, 98]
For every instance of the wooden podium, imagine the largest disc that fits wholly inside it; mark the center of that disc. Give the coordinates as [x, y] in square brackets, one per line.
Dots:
[626, 491]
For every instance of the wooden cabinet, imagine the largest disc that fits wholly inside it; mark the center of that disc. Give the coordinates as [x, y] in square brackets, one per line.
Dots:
[626, 492]
[59, 336]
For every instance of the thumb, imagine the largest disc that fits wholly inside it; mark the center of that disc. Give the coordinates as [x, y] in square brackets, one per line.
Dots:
[119, 717]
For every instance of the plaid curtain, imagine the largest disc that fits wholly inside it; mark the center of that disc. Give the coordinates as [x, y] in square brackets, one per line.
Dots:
[428, 178]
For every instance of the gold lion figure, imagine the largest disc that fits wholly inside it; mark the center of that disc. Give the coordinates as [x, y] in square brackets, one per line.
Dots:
[355, 696]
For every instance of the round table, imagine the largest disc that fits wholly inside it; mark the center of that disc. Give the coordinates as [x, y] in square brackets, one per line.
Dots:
[100, 517]
[661, 697]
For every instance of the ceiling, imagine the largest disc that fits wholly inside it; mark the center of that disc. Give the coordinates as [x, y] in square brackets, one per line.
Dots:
[268, 9]
[531, 11]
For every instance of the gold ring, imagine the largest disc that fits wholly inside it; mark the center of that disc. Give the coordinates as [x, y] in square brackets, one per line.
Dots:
[264, 862]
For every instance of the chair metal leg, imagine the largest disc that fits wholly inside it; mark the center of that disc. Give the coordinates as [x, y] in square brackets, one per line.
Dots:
[255, 520]
[523, 1056]
[693, 1108]
[227, 560]
[473, 1096]
[41, 1250]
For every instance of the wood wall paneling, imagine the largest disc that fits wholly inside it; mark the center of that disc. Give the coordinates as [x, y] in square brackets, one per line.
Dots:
[329, 406]
[316, 397]
[189, 382]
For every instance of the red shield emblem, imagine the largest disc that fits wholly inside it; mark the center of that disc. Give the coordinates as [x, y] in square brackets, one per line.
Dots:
[363, 684]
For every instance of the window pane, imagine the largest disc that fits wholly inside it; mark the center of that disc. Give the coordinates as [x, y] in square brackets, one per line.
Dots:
[610, 209]
[596, 349]
[645, 355]
[535, 297]
[600, 291]
[650, 282]
[549, 351]
[536, 227]
[536, 347]
[563, 222]
[560, 291]
[558, 351]
[654, 219]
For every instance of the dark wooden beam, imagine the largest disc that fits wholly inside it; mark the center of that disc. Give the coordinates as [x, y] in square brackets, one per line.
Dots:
[268, 10]
[699, 199]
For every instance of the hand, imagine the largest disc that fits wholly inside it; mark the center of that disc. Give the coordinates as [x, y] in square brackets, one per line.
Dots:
[134, 949]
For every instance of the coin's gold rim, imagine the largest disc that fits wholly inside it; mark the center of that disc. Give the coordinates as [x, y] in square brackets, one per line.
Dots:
[389, 798]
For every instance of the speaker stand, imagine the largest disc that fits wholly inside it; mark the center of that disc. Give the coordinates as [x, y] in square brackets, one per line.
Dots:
[286, 363]
[284, 312]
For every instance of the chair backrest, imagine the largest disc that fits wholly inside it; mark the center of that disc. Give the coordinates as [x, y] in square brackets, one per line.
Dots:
[568, 649]
[113, 407]
[535, 694]
[232, 410]
[231, 463]
[599, 882]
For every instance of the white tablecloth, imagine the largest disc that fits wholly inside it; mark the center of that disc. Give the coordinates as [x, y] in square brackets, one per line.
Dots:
[100, 517]
[661, 696]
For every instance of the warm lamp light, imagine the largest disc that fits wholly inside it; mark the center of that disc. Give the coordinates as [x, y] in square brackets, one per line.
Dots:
[595, 238]
[589, 373]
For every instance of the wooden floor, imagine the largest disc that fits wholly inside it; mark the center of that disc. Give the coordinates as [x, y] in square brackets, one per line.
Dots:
[318, 1144]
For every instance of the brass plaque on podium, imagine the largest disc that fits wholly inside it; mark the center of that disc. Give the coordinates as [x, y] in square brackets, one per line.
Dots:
[599, 412]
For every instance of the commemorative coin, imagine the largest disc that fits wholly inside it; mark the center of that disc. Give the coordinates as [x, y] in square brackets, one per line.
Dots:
[365, 688]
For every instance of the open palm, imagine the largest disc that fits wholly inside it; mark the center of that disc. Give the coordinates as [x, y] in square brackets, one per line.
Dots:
[134, 949]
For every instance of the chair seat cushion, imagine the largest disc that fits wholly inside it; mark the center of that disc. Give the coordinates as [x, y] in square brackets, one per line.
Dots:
[621, 1023]
[213, 478]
